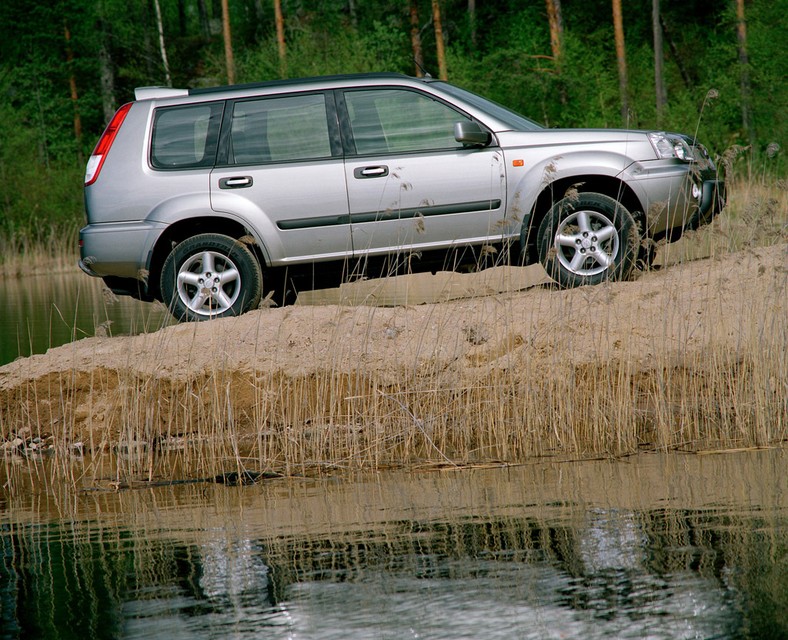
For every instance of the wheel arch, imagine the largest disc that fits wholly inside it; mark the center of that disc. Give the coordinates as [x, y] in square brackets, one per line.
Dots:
[558, 189]
[183, 229]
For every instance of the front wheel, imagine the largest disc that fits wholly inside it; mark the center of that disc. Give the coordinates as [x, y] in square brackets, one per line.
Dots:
[210, 276]
[587, 238]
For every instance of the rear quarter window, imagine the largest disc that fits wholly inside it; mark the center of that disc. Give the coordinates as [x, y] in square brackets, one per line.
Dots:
[185, 137]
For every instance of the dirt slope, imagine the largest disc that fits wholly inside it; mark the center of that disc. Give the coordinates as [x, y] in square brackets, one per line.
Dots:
[694, 308]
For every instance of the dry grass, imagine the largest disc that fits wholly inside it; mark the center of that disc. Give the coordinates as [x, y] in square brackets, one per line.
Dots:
[58, 252]
[756, 216]
[572, 374]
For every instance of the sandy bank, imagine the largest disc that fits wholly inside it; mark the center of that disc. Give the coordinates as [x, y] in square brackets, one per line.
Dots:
[606, 369]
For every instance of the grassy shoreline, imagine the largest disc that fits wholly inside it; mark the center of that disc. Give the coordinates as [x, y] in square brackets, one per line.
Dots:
[690, 357]
[21, 256]
[498, 380]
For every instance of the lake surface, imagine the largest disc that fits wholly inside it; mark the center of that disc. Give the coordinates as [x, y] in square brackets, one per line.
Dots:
[49, 310]
[653, 546]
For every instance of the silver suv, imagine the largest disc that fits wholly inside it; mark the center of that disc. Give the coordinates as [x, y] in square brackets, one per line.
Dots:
[194, 196]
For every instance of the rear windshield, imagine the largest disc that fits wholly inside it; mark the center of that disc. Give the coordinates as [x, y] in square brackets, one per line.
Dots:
[186, 137]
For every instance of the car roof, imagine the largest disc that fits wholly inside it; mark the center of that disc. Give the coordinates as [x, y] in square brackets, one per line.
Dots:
[347, 77]
[146, 93]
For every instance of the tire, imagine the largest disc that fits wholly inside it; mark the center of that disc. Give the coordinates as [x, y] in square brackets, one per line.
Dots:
[647, 252]
[587, 238]
[231, 269]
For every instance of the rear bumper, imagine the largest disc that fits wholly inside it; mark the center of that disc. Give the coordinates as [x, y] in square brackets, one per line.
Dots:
[118, 253]
[82, 265]
[117, 249]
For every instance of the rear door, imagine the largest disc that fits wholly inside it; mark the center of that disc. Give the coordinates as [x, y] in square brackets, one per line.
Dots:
[411, 185]
[280, 168]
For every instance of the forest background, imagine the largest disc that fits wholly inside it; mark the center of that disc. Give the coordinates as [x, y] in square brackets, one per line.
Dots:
[713, 68]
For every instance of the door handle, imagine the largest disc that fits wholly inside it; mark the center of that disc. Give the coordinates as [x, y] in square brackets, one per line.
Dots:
[239, 182]
[378, 171]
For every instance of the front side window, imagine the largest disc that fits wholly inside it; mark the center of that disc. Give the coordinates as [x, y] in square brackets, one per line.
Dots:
[186, 137]
[279, 130]
[400, 121]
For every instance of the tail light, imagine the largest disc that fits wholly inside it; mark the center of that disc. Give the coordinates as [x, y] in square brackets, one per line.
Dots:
[96, 160]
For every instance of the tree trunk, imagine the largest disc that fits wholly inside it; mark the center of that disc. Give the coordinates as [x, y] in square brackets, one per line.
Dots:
[744, 78]
[674, 53]
[415, 38]
[556, 24]
[621, 57]
[439, 45]
[162, 48]
[659, 57]
[351, 6]
[472, 21]
[181, 18]
[228, 43]
[556, 30]
[259, 12]
[107, 76]
[72, 84]
[205, 21]
[280, 38]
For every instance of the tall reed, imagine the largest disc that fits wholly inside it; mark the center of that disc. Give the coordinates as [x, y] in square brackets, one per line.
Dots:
[689, 358]
[55, 251]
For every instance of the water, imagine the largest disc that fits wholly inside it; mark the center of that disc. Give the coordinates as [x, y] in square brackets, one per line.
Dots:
[49, 310]
[654, 546]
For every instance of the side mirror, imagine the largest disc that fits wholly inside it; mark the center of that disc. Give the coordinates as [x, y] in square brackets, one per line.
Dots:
[471, 133]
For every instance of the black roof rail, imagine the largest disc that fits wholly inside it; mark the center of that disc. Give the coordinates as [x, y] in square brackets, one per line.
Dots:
[294, 81]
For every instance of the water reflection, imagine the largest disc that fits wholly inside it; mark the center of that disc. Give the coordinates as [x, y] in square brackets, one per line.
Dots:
[661, 547]
[48, 310]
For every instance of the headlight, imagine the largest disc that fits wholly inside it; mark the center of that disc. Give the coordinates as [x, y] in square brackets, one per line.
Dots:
[671, 145]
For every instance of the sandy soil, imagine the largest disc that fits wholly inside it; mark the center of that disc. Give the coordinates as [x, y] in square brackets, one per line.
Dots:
[682, 309]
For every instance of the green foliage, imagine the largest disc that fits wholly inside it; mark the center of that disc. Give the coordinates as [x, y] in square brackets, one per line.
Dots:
[113, 46]
[40, 192]
[516, 74]
[313, 52]
[590, 82]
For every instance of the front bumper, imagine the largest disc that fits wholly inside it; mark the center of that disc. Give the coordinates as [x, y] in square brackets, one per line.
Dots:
[713, 199]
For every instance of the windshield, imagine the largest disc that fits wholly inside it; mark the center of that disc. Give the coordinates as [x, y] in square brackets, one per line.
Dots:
[511, 118]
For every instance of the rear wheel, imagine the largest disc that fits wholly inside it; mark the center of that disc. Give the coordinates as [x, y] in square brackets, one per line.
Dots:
[210, 276]
[587, 238]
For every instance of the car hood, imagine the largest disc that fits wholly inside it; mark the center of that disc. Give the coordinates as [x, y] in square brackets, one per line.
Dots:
[632, 143]
[572, 136]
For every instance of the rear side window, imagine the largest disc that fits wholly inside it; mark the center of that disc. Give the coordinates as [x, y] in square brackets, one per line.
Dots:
[186, 137]
[280, 130]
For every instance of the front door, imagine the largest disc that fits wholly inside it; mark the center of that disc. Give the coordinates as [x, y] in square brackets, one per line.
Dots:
[411, 185]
